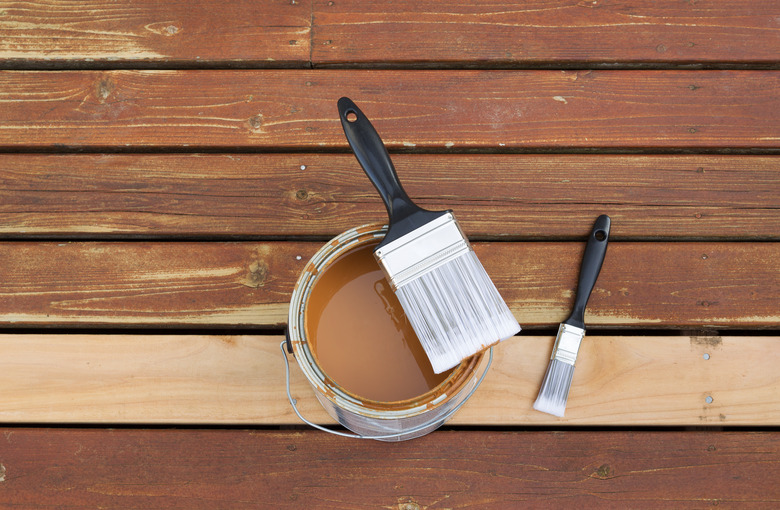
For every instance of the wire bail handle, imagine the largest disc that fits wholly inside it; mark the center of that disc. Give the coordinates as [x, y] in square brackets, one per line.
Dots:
[286, 346]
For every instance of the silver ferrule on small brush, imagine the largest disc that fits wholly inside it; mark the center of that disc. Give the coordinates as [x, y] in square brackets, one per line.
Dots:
[567, 343]
[422, 250]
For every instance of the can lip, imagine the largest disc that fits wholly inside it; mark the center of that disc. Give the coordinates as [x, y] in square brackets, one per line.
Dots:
[443, 392]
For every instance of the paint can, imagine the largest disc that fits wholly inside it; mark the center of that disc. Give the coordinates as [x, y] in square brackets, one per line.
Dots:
[368, 417]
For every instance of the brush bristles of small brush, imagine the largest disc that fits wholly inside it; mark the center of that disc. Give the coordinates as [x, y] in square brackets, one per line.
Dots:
[555, 388]
[456, 311]
[557, 380]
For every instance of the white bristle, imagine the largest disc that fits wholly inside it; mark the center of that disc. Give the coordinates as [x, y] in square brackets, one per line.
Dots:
[456, 311]
[555, 388]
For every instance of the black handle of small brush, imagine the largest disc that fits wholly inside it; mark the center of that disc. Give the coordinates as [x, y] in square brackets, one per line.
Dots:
[592, 261]
[372, 155]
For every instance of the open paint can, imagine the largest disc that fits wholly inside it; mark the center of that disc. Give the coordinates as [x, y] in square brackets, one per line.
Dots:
[356, 348]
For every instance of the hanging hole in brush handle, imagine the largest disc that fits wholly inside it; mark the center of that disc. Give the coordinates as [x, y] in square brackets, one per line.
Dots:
[372, 155]
[592, 260]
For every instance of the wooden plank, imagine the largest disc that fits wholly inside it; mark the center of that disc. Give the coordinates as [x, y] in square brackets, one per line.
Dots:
[249, 284]
[429, 110]
[192, 284]
[193, 469]
[558, 33]
[498, 196]
[229, 380]
[55, 34]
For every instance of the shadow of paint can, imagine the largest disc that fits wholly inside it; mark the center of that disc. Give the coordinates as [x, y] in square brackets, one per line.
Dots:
[387, 420]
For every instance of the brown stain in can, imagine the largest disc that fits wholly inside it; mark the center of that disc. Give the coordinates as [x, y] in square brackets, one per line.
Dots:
[359, 335]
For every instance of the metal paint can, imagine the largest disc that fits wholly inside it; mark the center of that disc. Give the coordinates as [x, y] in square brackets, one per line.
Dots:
[370, 419]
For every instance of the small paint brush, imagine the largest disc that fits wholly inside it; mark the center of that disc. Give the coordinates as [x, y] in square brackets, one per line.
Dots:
[448, 297]
[557, 380]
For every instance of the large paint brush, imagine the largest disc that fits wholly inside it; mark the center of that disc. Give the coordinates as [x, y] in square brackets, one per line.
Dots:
[452, 305]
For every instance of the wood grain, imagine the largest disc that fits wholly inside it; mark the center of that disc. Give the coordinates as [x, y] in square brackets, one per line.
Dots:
[420, 110]
[496, 196]
[193, 469]
[558, 33]
[54, 33]
[527, 119]
[228, 380]
[249, 284]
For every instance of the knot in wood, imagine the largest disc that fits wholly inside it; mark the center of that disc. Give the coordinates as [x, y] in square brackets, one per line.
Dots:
[256, 122]
[258, 273]
[604, 471]
[103, 89]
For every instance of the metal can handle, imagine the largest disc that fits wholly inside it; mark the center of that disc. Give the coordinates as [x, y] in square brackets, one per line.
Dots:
[443, 418]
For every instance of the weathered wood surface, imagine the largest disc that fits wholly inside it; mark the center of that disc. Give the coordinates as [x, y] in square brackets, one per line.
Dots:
[496, 196]
[193, 469]
[153, 240]
[190, 284]
[456, 110]
[440, 34]
[239, 379]
[151, 33]
[558, 33]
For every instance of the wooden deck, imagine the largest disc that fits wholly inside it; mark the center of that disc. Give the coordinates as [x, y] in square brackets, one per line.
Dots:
[168, 168]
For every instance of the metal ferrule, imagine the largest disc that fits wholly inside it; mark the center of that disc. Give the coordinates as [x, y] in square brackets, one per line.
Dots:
[567, 343]
[422, 250]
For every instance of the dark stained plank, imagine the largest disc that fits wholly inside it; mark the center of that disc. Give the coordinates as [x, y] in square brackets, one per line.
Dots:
[192, 284]
[424, 110]
[650, 284]
[498, 196]
[557, 33]
[192, 469]
[102, 33]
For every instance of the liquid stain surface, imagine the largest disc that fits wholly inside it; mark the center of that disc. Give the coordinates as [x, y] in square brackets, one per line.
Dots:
[360, 336]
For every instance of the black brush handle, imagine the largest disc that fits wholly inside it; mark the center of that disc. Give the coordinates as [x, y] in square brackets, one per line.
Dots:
[592, 261]
[372, 155]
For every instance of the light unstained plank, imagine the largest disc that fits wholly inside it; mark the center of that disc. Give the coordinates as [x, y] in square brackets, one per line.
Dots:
[449, 110]
[147, 32]
[511, 33]
[199, 469]
[618, 380]
[506, 196]
[190, 284]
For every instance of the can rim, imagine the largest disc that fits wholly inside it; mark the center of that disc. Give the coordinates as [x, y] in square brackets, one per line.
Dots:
[344, 399]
